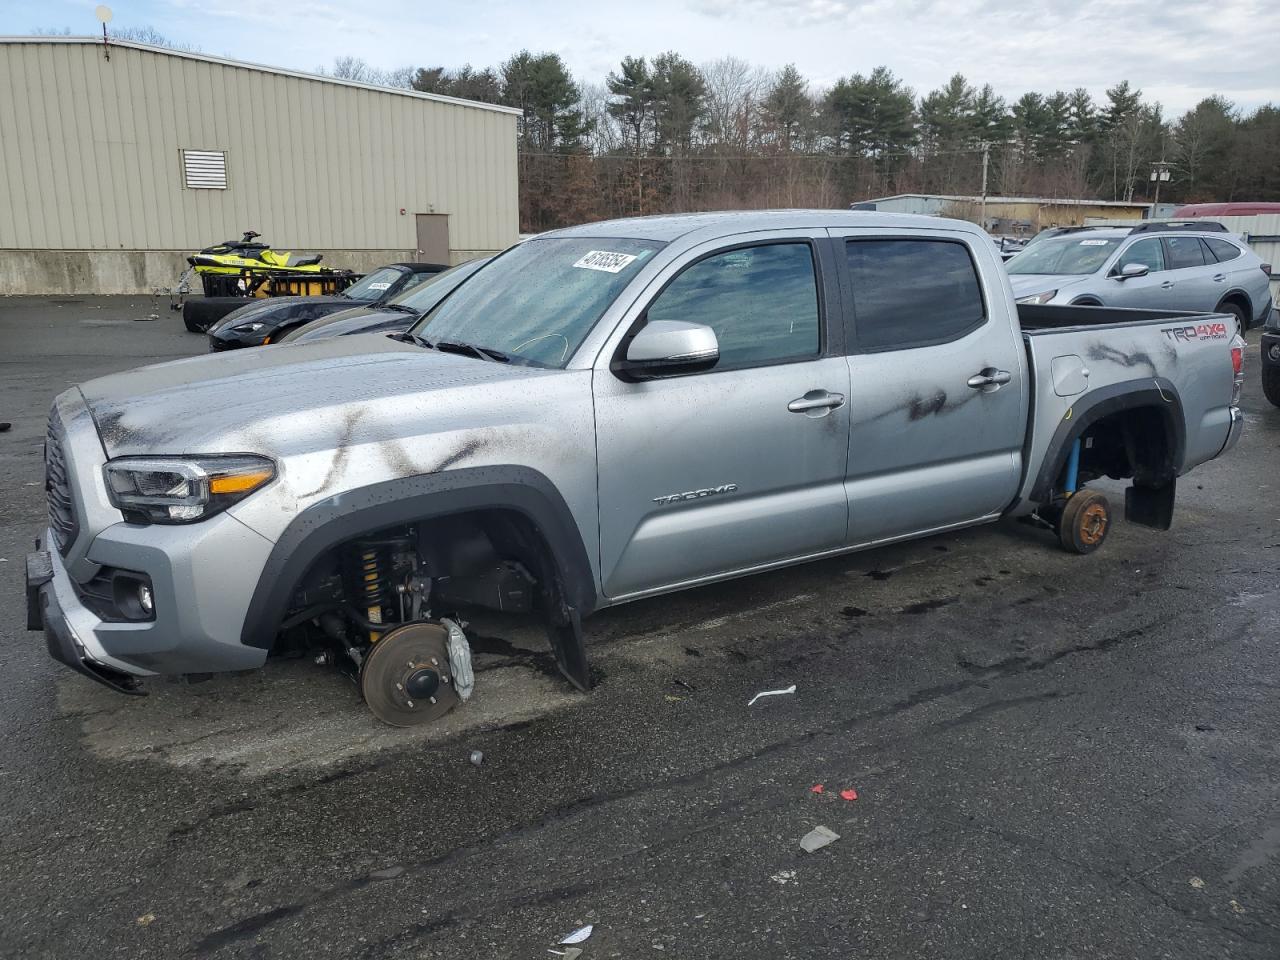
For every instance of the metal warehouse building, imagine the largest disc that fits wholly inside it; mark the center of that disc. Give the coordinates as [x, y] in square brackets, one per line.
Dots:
[118, 161]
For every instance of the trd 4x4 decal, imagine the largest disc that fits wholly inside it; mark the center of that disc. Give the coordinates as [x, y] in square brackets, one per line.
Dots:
[1199, 331]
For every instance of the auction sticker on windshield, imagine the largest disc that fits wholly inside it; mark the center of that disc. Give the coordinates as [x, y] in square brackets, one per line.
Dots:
[1093, 243]
[379, 286]
[605, 260]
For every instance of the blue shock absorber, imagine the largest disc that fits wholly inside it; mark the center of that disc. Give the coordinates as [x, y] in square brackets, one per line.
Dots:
[1073, 468]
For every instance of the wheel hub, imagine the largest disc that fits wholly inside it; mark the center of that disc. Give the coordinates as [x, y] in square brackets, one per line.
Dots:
[1093, 523]
[422, 683]
[406, 679]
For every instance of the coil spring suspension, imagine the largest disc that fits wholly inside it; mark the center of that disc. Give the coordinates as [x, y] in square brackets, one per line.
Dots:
[368, 569]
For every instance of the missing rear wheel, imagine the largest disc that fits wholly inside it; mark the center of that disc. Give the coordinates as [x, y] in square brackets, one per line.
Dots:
[1085, 522]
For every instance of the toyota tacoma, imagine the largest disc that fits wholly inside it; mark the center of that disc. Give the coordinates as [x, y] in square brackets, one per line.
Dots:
[602, 413]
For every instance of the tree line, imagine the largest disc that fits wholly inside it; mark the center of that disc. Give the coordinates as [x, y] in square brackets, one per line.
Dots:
[661, 134]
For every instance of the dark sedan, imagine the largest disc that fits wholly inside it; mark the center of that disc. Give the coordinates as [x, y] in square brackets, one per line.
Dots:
[266, 321]
[395, 316]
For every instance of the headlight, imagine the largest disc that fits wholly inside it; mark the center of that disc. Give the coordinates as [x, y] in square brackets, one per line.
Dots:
[1044, 297]
[248, 327]
[183, 489]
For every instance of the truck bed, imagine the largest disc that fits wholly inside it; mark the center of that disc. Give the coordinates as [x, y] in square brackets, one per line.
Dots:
[1087, 360]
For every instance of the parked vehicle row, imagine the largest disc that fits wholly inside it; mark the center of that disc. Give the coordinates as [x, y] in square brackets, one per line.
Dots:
[580, 423]
[1195, 265]
[260, 322]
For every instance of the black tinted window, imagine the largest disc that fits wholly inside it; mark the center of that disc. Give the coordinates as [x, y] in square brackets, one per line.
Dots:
[1222, 250]
[1183, 252]
[1147, 252]
[909, 293]
[762, 302]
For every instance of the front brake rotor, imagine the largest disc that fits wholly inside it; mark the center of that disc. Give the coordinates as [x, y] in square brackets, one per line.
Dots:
[406, 679]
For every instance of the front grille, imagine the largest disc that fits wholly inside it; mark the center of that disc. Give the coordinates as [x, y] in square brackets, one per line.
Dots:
[62, 508]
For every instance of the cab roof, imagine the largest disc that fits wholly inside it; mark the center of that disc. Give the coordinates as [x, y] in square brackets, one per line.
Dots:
[668, 227]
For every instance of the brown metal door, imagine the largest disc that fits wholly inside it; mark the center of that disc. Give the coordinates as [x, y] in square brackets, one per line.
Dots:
[433, 237]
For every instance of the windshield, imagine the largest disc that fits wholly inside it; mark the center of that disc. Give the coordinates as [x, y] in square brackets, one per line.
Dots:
[539, 300]
[424, 296]
[373, 286]
[1062, 256]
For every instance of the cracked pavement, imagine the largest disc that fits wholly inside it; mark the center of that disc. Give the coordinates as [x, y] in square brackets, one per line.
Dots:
[1054, 756]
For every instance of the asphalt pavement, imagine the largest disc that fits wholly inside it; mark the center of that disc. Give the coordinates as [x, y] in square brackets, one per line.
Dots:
[1053, 756]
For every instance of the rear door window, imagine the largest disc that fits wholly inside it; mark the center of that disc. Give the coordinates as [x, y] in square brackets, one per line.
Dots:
[912, 293]
[1147, 252]
[1181, 252]
[1222, 250]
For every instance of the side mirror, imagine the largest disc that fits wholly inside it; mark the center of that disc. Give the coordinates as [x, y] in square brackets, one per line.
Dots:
[1131, 270]
[666, 348]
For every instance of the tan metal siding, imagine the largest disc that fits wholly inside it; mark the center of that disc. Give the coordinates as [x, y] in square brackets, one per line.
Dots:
[92, 161]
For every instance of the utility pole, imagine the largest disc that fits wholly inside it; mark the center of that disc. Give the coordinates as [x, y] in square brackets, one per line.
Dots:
[1159, 175]
[986, 157]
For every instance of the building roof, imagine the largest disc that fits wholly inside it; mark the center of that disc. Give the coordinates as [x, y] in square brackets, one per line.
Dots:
[263, 68]
[668, 227]
[1043, 201]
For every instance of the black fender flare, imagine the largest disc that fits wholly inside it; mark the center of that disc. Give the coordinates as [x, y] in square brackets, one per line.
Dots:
[1156, 392]
[347, 515]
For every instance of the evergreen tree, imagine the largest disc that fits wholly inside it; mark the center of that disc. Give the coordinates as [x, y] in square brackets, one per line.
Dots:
[679, 93]
[787, 107]
[631, 103]
[541, 87]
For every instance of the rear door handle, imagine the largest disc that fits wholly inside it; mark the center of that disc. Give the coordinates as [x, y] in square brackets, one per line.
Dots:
[1219, 277]
[1167, 285]
[990, 377]
[816, 400]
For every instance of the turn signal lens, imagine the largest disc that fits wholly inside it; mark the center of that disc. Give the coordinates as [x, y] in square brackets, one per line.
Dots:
[239, 482]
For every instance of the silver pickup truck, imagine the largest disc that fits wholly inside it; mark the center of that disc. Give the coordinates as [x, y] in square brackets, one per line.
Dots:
[601, 413]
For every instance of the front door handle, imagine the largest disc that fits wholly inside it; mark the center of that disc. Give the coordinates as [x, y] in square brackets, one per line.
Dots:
[990, 377]
[1167, 285]
[816, 403]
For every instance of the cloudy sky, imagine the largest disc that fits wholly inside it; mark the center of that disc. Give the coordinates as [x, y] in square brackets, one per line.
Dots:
[1177, 51]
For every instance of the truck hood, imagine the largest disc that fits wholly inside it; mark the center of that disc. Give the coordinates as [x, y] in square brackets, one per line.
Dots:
[294, 398]
[1028, 284]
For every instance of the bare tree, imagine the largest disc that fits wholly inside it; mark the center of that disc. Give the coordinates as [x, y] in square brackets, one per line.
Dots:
[145, 34]
[605, 135]
[355, 69]
[732, 105]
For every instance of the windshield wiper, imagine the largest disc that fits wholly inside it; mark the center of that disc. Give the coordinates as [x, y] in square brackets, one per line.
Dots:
[398, 307]
[481, 353]
[407, 337]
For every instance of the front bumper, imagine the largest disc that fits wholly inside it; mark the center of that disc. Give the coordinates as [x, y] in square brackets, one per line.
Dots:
[44, 612]
[228, 340]
[202, 578]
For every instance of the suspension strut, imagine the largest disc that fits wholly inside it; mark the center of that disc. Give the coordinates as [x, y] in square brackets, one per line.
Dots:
[368, 569]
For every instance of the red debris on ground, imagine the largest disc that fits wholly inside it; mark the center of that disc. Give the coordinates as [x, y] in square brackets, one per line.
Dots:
[816, 788]
[849, 794]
